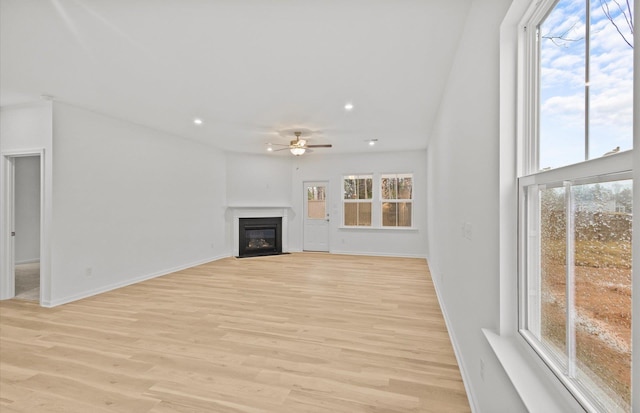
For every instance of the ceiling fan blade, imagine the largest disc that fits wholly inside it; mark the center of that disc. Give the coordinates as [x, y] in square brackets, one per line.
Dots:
[277, 144]
[283, 149]
[319, 146]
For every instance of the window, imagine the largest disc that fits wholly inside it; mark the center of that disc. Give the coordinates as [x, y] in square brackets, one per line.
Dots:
[575, 192]
[393, 205]
[358, 200]
[316, 202]
[396, 192]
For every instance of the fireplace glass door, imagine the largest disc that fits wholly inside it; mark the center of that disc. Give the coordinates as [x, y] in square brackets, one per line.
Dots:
[260, 236]
[260, 239]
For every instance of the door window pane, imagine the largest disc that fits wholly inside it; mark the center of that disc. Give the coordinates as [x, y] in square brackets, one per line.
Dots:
[316, 203]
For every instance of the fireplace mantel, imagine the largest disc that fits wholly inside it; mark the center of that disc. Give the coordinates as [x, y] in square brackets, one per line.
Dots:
[246, 211]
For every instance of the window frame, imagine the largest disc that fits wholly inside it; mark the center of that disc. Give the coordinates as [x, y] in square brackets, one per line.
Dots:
[620, 165]
[358, 201]
[529, 176]
[396, 200]
[377, 201]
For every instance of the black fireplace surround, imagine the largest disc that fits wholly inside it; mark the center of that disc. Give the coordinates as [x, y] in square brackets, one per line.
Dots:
[260, 236]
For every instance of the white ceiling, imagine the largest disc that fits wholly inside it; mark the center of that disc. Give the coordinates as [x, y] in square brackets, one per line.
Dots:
[248, 68]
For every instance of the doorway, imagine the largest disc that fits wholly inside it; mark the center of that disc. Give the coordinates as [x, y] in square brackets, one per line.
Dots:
[27, 227]
[316, 216]
[22, 219]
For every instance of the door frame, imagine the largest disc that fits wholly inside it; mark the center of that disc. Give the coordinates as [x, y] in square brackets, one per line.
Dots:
[327, 194]
[7, 221]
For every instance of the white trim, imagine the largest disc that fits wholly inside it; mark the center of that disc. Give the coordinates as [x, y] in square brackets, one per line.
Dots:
[377, 254]
[535, 384]
[367, 228]
[258, 207]
[114, 286]
[7, 199]
[620, 162]
[635, 312]
[29, 261]
[7, 256]
[464, 371]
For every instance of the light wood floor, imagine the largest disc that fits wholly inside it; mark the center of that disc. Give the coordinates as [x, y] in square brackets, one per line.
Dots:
[291, 333]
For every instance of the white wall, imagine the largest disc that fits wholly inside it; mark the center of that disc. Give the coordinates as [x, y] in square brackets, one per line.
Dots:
[27, 209]
[267, 180]
[130, 203]
[25, 128]
[463, 157]
[258, 180]
[325, 167]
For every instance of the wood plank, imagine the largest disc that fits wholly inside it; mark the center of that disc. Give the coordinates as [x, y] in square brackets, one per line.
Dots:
[303, 332]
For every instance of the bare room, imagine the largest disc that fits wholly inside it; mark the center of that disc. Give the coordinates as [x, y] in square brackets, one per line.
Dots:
[318, 206]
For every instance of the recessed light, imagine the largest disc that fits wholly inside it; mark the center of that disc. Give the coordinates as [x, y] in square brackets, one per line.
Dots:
[197, 121]
[348, 106]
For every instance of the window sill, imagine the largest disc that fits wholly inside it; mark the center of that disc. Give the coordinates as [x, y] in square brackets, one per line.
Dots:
[538, 388]
[379, 228]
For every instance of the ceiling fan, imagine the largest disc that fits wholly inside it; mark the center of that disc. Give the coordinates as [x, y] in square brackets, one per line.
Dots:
[298, 146]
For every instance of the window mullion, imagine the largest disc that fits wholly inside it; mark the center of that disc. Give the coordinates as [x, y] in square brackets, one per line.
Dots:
[587, 76]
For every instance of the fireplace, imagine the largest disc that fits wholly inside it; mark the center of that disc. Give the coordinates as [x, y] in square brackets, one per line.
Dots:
[259, 236]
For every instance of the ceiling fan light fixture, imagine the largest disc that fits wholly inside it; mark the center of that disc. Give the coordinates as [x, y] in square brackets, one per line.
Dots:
[297, 151]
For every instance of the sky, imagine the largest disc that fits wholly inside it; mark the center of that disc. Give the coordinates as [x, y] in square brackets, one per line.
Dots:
[562, 82]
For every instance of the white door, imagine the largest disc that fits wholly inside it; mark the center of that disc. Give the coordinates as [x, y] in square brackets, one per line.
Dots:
[316, 216]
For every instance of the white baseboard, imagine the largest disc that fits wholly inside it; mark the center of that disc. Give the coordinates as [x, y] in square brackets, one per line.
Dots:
[106, 288]
[378, 254]
[371, 254]
[464, 372]
[29, 261]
